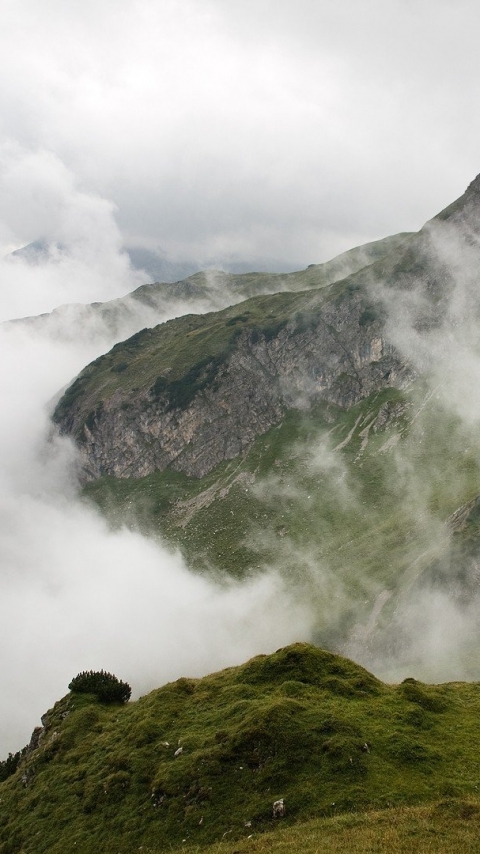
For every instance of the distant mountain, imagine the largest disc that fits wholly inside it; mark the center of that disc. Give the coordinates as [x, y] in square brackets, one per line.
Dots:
[150, 304]
[317, 430]
[36, 252]
[158, 267]
[154, 264]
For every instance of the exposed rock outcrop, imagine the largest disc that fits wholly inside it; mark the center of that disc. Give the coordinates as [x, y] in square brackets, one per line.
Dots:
[332, 351]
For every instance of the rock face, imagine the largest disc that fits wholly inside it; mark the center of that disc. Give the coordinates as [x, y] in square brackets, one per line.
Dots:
[331, 351]
[237, 374]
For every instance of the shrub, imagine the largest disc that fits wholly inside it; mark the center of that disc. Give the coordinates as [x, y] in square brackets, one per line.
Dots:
[105, 686]
[10, 765]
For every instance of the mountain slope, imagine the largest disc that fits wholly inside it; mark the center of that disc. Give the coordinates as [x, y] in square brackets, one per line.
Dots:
[151, 304]
[323, 434]
[198, 390]
[301, 724]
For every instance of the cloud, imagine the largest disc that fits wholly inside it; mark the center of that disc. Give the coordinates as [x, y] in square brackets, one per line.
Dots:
[78, 596]
[83, 258]
[249, 129]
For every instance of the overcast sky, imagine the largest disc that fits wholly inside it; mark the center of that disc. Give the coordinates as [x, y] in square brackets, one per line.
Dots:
[250, 128]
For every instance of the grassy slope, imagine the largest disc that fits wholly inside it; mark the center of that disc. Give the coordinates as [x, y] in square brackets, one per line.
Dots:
[217, 284]
[449, 825]
[175, 354]
[301, 724]
[370, 516]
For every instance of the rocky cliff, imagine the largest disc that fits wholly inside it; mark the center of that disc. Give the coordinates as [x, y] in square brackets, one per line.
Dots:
[196, 391]
[147, 405]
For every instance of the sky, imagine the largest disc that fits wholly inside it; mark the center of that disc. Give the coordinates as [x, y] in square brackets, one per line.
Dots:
[264, 131]
[210, 131]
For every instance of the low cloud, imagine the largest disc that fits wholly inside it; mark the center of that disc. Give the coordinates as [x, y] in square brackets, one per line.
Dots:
[82, 259]
[78, 596]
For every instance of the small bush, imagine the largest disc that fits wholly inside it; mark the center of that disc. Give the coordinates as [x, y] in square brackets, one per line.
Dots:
[416, 693]
[368, 315]
[106, 687]
[10, 765]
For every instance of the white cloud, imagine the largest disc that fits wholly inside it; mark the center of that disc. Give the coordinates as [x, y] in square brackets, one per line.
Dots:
[40, 198]
[266, 129]
[77, 596]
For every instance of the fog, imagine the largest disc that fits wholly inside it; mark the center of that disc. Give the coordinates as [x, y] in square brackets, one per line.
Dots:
[435, 627]
[367, 535]
[76, 595]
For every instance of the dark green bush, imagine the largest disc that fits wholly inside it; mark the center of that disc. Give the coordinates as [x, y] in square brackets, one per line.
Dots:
[10, 765]
[120, 368]
[368, 315]
[105, 686]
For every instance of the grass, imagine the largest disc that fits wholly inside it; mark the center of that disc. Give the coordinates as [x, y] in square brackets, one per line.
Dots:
[302, 724]
[447, 826]
[360, 495]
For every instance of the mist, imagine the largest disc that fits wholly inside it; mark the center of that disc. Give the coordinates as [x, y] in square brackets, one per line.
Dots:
[366, 521]
[77, 595]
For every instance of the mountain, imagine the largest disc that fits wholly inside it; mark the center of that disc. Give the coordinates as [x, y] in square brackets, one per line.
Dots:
[326, 432]
[328, 345]
[204, 760]
[323, 430]
[154, 263]
[198, 390]
[150, 304]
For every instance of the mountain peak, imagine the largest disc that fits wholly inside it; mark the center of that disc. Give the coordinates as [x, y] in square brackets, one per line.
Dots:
[463, 207]
[474, 186]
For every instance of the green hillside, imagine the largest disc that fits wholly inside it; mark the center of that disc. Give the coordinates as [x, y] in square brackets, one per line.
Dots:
[302, 724]
[226, 288]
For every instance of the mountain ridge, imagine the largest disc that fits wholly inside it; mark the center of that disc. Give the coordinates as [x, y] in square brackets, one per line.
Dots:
[151, 304]
[414, 262]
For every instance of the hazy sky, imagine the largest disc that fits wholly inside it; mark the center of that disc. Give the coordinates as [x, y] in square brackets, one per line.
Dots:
[254, 129]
